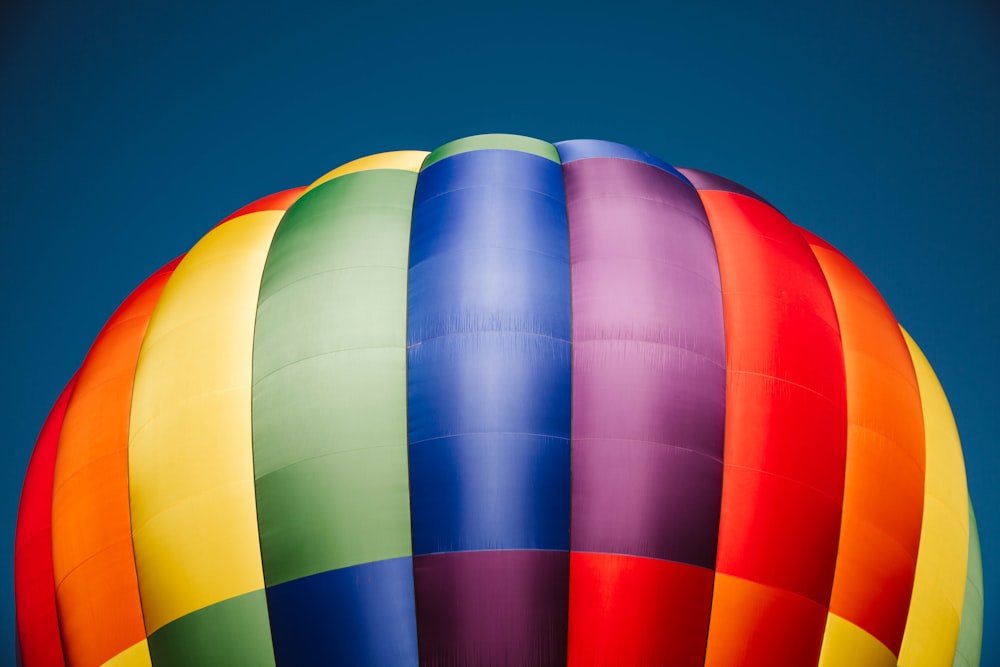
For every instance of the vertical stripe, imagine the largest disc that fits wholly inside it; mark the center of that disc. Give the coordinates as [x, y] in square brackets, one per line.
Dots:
[970, 634]
[38, 637]
[648, 409]
[96, 587]
[488, 334]
[884, 482]
[329, 421]
[785, 440]
[931, 634]
[191, 488]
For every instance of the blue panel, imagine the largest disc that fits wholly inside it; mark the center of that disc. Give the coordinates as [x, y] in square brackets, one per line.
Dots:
[488, 359]
[581, 149]
[361, 616]
[524, 475]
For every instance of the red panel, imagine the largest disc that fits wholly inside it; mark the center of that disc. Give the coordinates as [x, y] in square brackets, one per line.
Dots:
[279, 201]
[626, 610]
[34, 584]
[777, 531]
[786, 430]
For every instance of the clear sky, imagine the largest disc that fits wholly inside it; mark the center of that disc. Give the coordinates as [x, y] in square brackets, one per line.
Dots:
[127, 129]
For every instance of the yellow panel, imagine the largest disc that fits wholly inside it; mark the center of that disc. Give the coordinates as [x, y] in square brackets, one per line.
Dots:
[136, 655]
[939, 585]
[191, 483]
[844, 643]
[405, 160]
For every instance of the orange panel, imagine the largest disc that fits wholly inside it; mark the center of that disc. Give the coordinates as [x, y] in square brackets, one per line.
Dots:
[883, 498]
[752, 626]
[96, 585]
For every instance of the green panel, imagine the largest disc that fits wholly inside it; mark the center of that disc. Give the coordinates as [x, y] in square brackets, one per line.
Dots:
[510, 142]
[232, 632]
[369, 205]
[360, 520]
[329, 379]
[330, 402]
[970, 633]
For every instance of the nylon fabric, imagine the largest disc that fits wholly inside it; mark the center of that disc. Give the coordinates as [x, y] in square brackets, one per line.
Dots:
[38, 638]
[337, 267]
[136, 655]
[931, 634]
[757, 624]
[279, 201]
[648, 405]
[629, 610]
[508, 142]
[329, 421]
[488, 407]
[884, 482]
[970, 634]
[402, 160]
[194, 520]
[360, 615]
[649, 365]
[783, 484]
[585, 149]
[845, 643]
[705, 181]
[234, 632]
[492, 607]
[488, 355]
[503, 403]
[100, 614]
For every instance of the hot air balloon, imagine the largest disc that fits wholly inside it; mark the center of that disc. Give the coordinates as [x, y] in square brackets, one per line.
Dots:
[504, 403]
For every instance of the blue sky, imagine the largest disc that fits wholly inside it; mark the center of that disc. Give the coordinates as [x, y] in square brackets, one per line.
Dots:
[127, 129]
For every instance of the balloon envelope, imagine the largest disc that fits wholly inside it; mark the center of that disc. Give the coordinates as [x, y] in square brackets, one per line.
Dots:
[507, 402]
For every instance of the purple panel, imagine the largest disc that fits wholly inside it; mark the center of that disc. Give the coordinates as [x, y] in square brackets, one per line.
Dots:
[706, 180]
[648, 364]
[492, 607]
[582, 149]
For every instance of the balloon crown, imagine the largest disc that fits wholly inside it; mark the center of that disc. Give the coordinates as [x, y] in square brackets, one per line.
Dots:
[506, 402]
